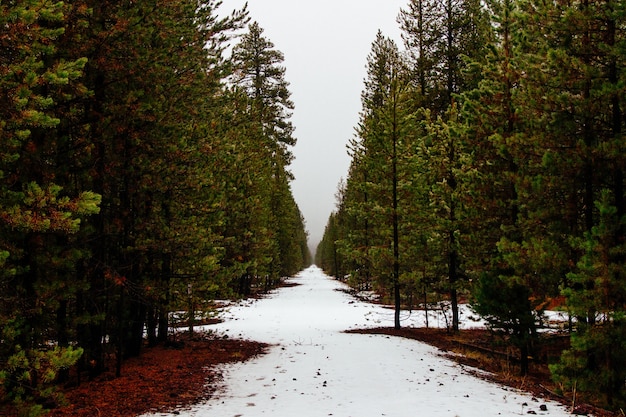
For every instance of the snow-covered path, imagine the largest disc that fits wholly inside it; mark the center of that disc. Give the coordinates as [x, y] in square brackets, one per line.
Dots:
[316, 370]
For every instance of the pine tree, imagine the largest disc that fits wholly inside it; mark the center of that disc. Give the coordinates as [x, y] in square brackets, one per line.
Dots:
[421, 32]
[259, 76]
[328, 255]
[446, 188]
[380, 155]
[116, 169]
[583, 177]
[494, 131]
[439, 36]
[101, 121]
[40, 211]
[259, 72]
[150, 83]
[353, 221]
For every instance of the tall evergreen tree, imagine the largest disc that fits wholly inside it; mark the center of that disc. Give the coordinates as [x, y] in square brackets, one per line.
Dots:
[439, 36]
[421, 31]
[40, 211]
[259, 71]
[259, 75]
[494, 131]
[582, 175]
[97, 118]
[150, 81]
[119, 138]
[327, 255]
[383, 134]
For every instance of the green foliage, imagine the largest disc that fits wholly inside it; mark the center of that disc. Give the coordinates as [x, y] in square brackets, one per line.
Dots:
[596, 296]
[264, 212]
[42, 210]
[30, 376]
[38, 209]
[594, 365]
[514, 173]
[375, 193]
[505, 303]
[128, 171]
[137, 159]
[401, 209]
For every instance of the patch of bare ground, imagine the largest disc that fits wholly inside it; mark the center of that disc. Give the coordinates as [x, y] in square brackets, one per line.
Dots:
[163, 378]
[487, 356]
[288, 284]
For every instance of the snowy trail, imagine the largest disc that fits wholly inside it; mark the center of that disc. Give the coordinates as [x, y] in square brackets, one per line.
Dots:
[316, 370]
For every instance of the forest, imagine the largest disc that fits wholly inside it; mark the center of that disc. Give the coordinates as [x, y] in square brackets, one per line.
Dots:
[488, 167]
[144, 169]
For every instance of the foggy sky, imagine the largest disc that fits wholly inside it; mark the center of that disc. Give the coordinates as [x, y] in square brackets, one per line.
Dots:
[325, 44]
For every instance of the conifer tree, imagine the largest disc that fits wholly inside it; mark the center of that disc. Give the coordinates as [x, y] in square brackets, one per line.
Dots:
[355, 222]
[439, 36]
[260, 77]
[259, 71]
[150, 82]
[100, 121]
[327, 255]
[41, 214]
[383, 134]
[119, 139]
[582, 175]
[494, 131]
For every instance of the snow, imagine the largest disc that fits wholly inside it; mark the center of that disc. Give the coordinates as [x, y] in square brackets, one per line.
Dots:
[314, 369]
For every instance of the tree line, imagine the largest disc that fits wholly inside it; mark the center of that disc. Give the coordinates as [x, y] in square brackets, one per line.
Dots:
[488, 163]
[144, 168]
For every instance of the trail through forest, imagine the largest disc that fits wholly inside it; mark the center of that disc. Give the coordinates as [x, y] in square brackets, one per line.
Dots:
[315, 369]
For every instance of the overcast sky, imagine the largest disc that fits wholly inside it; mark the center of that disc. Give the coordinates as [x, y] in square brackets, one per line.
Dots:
[325, 43]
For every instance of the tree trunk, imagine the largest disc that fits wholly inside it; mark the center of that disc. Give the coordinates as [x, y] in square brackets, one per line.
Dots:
[151, 326]
[396, 233]
[524, 359]
[62, 336]
[134, 339]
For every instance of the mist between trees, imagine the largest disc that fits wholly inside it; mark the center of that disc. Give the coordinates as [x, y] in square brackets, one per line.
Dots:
[488, 166]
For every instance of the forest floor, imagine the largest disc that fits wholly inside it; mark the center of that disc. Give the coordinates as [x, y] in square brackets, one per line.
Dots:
[161, 378]
[479, 349]
[174, 376]
[166, 378]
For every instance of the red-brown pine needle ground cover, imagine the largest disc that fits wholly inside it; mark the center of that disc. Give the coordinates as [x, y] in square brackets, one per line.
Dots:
[161, 378]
